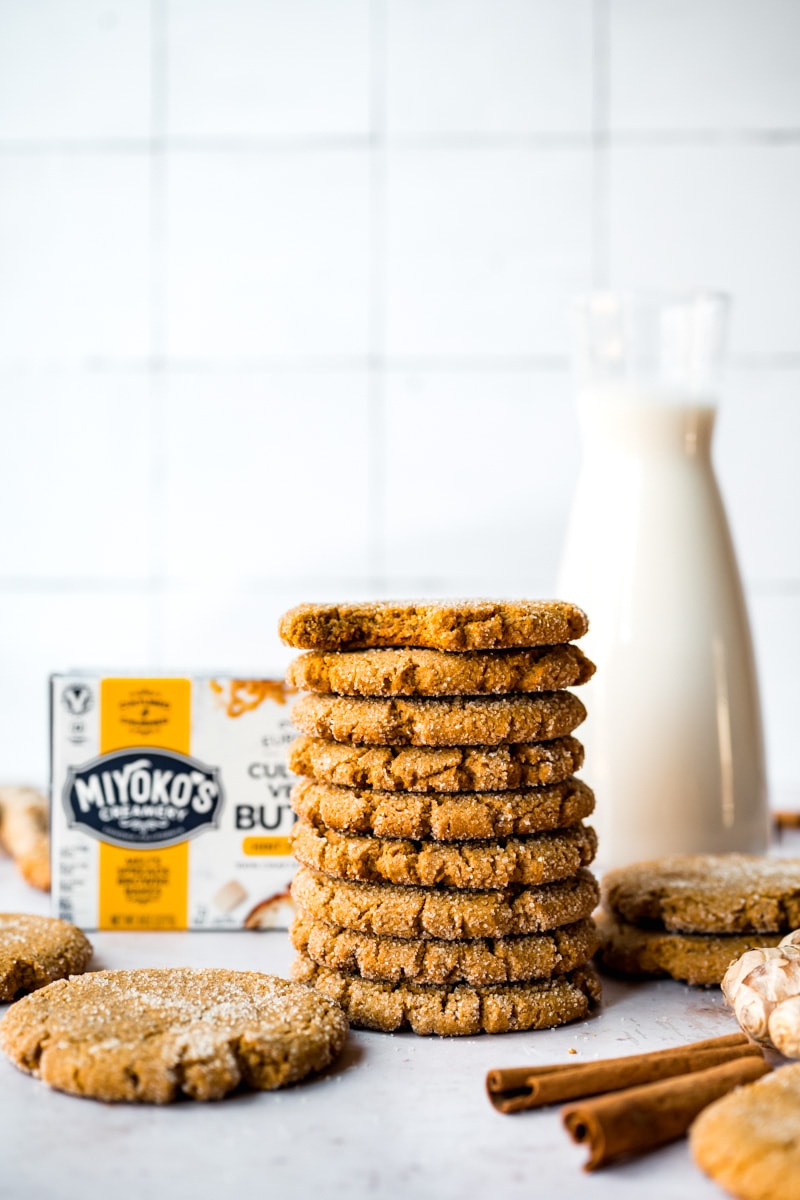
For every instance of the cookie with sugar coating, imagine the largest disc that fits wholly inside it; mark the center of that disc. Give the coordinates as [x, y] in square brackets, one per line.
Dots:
[452, 1010]
[707, 893]
[433, 624]
[449, 816]
[36, 950]
[748, 1142]
[479, 961]
[439, 721]
[388, 910]
[152, 1035]
[436, 768]
[415, 672]
[697, 958]
[532, 860]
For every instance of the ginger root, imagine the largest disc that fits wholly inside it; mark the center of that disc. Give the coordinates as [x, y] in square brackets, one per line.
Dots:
[763, 988]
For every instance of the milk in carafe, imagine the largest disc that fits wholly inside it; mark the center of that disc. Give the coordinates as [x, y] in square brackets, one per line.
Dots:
[673, 739]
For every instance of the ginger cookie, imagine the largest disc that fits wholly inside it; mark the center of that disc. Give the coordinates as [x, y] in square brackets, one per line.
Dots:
[436, 769]
[696, 958]
[433, 624]
[445, 816]
[748, 1142]
[415, 672]
[428, 721]
[25, 833]
[413, 912]
[455, 1009]
[708, 893]
[535, 859]
[36, 950]
[153, 1035]
[480, 961]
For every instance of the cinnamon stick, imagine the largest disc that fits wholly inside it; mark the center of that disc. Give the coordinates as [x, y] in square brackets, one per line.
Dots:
[642, 1118]
[786, 818]
[519, 1088]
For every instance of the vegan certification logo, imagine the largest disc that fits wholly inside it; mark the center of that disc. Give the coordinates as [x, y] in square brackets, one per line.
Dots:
[143, 798]
[77, 699]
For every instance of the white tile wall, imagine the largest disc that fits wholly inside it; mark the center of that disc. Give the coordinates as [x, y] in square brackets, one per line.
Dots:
[713, 65]
[283, 291]
[756, 454]
[453, 68]
[480, 477]
[268, 68]
[722, 216]
[74, 256]
[76, 473]
[74, 71]
[284, 495]
[484, 249]
[274, 260]
[776, 629]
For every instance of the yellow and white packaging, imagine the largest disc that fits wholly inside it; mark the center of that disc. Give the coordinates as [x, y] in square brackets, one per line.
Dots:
[170, 802]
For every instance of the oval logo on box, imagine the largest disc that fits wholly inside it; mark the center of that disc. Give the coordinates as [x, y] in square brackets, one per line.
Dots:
[143, 797]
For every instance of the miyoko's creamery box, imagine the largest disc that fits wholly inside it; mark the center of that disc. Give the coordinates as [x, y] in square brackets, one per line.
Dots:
[170, 802]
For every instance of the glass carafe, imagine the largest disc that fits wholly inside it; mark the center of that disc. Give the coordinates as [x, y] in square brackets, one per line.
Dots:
[674, 745]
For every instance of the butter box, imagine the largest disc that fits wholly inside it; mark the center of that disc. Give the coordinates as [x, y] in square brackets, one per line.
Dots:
[170, 802]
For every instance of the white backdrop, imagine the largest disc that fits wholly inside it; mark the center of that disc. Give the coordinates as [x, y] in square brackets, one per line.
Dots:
[283, 307]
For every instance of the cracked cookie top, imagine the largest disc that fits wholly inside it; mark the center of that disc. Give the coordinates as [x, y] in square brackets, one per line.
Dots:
[433, 624]
[153, 1035]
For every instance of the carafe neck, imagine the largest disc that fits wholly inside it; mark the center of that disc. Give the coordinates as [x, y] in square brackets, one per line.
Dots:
[648, 424]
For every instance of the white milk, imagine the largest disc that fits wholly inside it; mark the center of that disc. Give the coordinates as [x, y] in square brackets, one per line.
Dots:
[673, 740]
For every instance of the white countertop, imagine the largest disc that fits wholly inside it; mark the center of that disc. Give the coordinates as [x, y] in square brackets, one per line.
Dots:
[397, 1116]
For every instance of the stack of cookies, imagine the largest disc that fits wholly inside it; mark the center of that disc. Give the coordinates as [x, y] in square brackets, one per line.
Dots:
[443, 882]
[689, 916]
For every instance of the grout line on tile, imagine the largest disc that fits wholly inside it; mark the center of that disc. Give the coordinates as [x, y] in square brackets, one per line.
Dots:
[772, 587]
[453, 141]
[764, 362]
[720, 138]
[601, 73]
[158, 472]
[479, 363]
[166, 585]
[378, 58]
[376, 333]
[163, 585]
[158, 466]
[300, 363]
[158, 179]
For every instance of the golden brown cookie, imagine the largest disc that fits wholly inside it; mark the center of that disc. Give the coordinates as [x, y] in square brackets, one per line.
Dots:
[538, 858]
[415, 912]
[749, 1140]
[455, 721]
[436, 769]
[697, 958]
[433, 624]
[454, 1009]
[25, 833]
[36, 950]
[448, 816]
[707, 893]
[152, 1035]
[480, 961]
[414, 672]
